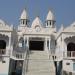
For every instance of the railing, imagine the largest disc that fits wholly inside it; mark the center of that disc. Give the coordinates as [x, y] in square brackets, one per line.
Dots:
[69, 54]
[25, 63]
[18, 55]
[56, 56]
[2, 51]
[2, 54]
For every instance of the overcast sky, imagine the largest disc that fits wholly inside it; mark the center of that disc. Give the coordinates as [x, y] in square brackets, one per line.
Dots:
[64, 10]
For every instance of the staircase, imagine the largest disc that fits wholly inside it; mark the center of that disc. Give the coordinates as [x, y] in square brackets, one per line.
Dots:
[39, 63]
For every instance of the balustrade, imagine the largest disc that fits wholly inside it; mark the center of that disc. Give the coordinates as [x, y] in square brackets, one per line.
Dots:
[2, 51]
[69, 54]
[18, 55]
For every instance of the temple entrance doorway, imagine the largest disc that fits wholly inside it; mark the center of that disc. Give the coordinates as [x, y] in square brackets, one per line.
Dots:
[36, 44]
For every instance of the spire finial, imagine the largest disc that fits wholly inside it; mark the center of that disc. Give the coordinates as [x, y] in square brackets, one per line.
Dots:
[24, 14]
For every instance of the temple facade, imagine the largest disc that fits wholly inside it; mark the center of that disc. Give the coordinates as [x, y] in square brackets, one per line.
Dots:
[37, 48]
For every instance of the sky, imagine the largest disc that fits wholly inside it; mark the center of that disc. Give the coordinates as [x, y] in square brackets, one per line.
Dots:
[64, 10]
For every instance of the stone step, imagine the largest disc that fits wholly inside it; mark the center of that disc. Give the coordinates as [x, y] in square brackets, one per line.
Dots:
[39, 63]
[36, 65]
[38, 55]
[41, 73]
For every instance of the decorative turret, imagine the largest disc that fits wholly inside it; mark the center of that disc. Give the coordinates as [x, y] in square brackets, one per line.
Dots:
[24, 18]
[50, 19]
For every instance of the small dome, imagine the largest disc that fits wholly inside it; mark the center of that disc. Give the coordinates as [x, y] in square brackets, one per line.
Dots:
[2, 22]
[73, 24]
[24, 15]
[36, 22]
[50, 16]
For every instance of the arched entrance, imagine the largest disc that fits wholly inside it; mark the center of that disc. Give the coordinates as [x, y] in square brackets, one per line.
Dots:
[2, 46]
[71, 49]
